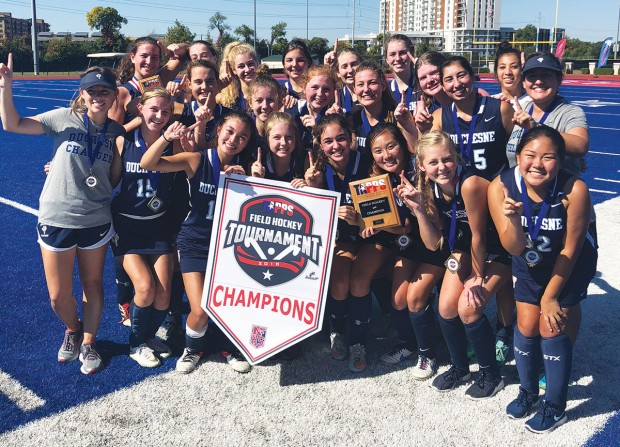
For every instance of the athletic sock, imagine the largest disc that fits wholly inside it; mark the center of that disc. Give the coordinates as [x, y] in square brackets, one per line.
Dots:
[504, 333]
[480, 333]
[124, 287]
[140, 324]
[157, 318]
[527, 356]
[337, 315]
[406, 336]
[558, 358]
[381, 288]
[360, 309]
[176, 296]
[423, 324]
[454, 334]
[195, 340]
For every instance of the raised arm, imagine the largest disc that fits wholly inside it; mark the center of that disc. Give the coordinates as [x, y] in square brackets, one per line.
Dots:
[506, 213]
[184, 161]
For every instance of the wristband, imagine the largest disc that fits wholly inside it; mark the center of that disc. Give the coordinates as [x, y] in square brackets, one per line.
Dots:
[164, 137]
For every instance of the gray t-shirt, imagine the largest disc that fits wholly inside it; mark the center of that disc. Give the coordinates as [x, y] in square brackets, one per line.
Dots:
[562, 118]
[66, 201]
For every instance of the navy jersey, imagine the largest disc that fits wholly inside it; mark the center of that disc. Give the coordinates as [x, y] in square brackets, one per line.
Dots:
[487, 157]
[134, 92]
[410, 94]
[550, 239]
[305, 133]
[203, 191]
[463, 231]
[296, 168]
[187, 119]
[138, 186]
[361, 126]
[358, 167]
[346, 101]
[290, 91]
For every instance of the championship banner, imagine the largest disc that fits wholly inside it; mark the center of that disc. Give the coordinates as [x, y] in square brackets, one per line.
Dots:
[604, 54]
[270, 256]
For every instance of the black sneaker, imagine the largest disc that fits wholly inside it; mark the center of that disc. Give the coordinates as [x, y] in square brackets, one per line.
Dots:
[522, 405]
[450, 379]
[487, 385]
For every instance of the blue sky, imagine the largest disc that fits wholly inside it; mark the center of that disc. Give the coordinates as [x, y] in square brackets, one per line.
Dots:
[587, 20]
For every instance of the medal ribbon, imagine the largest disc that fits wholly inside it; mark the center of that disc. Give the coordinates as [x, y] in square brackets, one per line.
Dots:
[216, 165]
[347, 99]
[153, 176]
[408, 92]
[534, 228]
[553, 105]
[92, 155]
[366, 123]
[347, 176]
[465, 151]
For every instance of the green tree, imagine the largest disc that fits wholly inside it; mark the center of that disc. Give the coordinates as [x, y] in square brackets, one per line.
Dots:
[107, 20]
[318, 47]
[277, 41]
[63, 54]
[262, 48]
[22, 53]
[245, 34]
[218, 22]
[179, 33]
[526, 34]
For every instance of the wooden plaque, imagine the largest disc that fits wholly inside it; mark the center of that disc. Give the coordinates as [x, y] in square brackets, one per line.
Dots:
[151, 82]
[373, 198]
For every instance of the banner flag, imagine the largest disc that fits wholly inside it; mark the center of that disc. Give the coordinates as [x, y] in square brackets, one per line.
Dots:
[605, 48]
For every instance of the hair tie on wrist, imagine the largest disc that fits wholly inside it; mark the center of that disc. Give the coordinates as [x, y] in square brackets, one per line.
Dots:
[164, 137]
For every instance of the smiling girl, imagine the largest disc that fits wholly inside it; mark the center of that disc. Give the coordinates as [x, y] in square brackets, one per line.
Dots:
[241, 61]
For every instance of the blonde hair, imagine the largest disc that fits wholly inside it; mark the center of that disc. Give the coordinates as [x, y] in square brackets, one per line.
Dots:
[282, 118]
[228, 96]
[428, 140]
[158, 92]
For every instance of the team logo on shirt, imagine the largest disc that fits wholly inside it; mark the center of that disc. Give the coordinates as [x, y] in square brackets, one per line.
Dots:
[273, 239]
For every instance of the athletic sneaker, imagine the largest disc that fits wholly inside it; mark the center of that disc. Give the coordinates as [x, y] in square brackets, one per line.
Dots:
[90, 358]
[144, 355]
[337, 346]
[70, 348]
[357, 358]
[124, 309]
[424, 369]
[398, 354]
[502, 351]
[188, 361]
[450, 379]
[486, 385]
[546, 419]
[237, 361]
[522, 405]
[172, 332]
[159, 348]
[542, 383]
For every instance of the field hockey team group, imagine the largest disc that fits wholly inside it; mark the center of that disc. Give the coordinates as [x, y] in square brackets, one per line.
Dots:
[487, 189]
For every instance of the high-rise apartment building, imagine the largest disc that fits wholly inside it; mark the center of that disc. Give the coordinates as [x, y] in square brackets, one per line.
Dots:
[11, 27]
[459, 22]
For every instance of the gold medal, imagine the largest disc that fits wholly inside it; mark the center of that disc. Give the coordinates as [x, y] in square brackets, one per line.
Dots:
[452, 264]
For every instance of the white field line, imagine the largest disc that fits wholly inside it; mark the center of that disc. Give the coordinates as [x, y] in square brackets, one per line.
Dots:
[21, 396]
[602, 153]
[602, 191]
[19, 206]
[606, 180]
[41, 97]
[604, 128]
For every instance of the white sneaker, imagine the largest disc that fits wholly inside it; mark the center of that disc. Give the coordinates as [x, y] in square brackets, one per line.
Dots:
[237, 361]
[159, 347]
[144, 356]
[398, 354]
[424, 369]
[188, 361]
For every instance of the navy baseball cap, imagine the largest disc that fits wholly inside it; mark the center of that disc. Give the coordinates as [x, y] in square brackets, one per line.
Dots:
[103, 79]
[544, 61]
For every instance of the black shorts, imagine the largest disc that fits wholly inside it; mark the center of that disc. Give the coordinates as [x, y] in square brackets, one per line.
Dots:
[418, 252]
[575, 289]
[142, 237]
[193, 255]
[62, 239]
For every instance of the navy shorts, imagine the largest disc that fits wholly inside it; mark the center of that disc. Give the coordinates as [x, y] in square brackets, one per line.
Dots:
[142, 237]
[575, 289]
[418, 252]
[62, 239]
[193, 255]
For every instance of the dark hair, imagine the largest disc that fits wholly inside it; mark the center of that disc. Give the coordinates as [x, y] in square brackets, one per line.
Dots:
[126, 67]
[319, 128]
[245, 156]
[209, 46]
[387, 99]
[456, 60]
[557, 141]
[503, 49]
[395, 132]
[400, 38]
[201, 63]
[297, 44]
[349, 50]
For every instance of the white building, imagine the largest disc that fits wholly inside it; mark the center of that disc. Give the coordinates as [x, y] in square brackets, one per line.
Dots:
[462, 24]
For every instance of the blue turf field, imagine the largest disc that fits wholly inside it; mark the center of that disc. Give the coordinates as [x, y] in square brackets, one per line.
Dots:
[29, 331]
